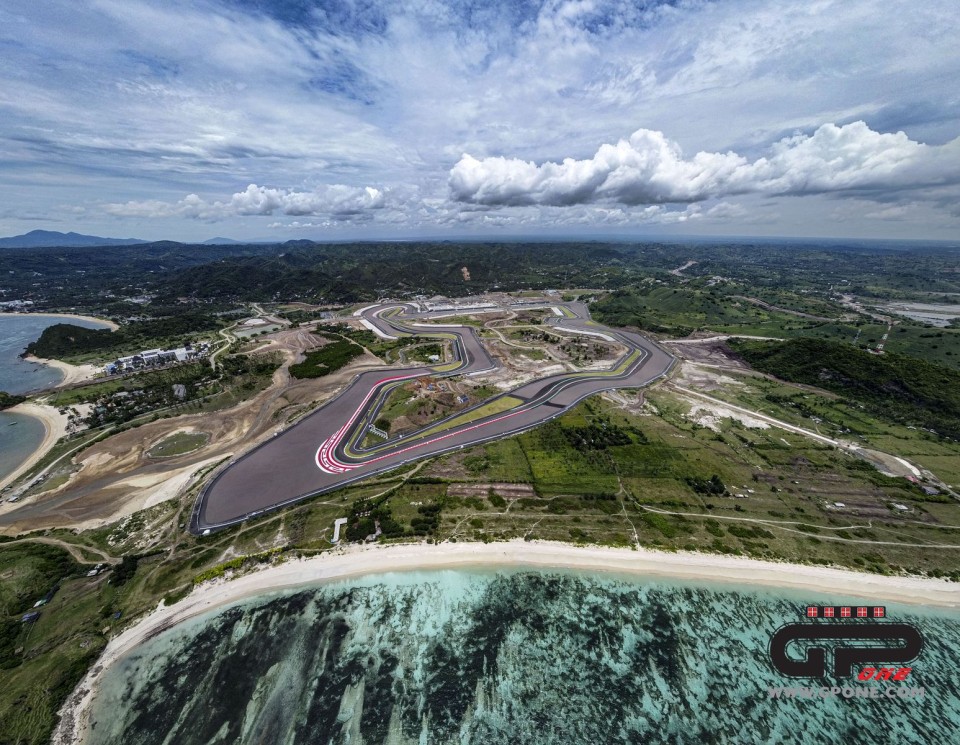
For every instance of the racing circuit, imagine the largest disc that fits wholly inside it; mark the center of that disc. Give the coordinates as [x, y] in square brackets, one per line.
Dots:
[323, 451]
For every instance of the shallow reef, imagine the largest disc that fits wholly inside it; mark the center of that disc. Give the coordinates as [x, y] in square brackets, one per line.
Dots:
[515, 657]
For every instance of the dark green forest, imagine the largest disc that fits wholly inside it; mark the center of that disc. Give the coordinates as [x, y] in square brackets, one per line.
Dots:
[361, 272]
[327, 359]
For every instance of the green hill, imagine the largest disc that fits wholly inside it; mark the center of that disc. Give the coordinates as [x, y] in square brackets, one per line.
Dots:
[65, 341]
[681, 310]
[893, 386]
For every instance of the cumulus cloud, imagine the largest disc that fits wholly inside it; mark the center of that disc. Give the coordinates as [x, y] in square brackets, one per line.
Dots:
[336, 200]
[108, 101]
[650, 169]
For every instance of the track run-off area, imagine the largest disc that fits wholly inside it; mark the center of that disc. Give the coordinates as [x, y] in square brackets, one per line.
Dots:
[324, 451]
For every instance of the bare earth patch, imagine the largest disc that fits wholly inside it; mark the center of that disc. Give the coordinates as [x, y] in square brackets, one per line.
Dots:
[693, 375]
[116, 477]
[709, 415]
[507, 491]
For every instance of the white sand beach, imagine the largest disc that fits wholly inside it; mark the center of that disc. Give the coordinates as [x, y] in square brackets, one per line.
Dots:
[356, 561]
[92, 319]
[54, 425]
[71, 373]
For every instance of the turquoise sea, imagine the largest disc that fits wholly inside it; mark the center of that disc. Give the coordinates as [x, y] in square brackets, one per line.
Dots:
[507, 657]
[20, 435]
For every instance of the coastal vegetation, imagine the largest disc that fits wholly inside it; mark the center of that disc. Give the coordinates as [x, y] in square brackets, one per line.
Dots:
[8, 399]
[193, 386]
[29, 572]
[65, 341]
[62, 645]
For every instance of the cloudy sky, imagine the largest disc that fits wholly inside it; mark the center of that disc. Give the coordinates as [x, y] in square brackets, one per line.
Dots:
[272, 119]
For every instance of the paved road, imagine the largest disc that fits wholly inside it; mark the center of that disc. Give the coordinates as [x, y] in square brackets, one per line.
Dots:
[322, 452]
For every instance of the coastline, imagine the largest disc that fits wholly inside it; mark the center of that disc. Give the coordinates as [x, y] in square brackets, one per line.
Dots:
[55, 427]
[54, 423]
[71, 373]
[92, 319]
[357, 561]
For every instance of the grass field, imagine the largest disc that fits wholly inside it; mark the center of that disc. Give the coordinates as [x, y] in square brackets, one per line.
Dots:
[838, 418]
[178, 444]
[678, 311]
[530, 354]
[404, 404]
[423, 352]
[681, 310]
[498, 406]
[785, 481]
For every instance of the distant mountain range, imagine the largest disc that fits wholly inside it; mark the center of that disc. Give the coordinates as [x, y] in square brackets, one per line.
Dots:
[43, 238]
[51, 238]
[222, 242]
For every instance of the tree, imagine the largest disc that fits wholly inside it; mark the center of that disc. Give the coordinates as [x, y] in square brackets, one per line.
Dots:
[125, 570]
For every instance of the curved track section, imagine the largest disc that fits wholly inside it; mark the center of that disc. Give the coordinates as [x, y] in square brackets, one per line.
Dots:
[323, 451]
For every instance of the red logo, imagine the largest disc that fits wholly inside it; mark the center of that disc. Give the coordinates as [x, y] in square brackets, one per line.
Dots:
[884, 673]
[846, 611]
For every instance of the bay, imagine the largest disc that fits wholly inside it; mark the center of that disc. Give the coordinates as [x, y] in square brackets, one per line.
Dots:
[21, 435]
[17, 375]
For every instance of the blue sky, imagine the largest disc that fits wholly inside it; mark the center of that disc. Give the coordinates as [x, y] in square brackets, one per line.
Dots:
[276, 119]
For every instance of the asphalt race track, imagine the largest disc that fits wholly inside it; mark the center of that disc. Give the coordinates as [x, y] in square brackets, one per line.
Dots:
[322, 452]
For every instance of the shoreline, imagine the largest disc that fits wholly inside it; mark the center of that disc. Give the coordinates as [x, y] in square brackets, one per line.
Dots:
[54, 423]
[54, 426]
[72, 374]
[92, 319]
[358, 561]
